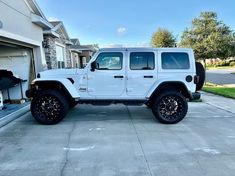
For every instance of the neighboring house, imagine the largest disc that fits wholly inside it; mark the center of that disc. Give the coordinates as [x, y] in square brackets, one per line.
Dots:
[57, 46]
[75, 54]
[82, 53]
[87, 51]
[21, 35]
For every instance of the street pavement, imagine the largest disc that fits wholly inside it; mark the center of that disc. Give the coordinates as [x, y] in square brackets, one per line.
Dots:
[120, 140]
[221, 76]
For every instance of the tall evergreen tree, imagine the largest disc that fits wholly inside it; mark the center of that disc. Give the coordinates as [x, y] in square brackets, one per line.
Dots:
[209, 37]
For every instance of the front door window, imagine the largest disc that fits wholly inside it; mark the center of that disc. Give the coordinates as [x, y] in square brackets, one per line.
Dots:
[109, 61]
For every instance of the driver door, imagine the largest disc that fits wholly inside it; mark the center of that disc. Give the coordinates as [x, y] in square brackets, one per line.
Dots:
[108, 79]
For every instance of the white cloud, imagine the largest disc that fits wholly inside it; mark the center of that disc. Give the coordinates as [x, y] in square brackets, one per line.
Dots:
[53, 19]
[121, 31]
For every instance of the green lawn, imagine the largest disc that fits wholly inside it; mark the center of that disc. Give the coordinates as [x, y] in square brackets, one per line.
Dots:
[220, 90]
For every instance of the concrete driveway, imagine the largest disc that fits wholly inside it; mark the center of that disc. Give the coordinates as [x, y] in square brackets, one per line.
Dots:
[123, 141]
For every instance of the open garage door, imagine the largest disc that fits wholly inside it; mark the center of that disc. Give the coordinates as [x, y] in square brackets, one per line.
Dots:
[18, 60]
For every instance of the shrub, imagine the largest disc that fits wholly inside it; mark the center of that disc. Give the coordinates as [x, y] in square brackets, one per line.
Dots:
[222, 63]
[232, 63]
[210, 65]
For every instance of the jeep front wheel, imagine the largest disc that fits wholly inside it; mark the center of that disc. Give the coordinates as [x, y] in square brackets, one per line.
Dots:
[170, 107]
[49, 107]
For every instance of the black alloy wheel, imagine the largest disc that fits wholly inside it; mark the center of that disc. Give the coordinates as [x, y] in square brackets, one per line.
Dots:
[170, 107]
[49, 107]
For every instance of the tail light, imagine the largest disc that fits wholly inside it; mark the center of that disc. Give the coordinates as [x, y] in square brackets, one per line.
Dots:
[196, 79]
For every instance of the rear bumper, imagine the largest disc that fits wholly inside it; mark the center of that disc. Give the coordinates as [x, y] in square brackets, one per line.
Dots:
[196, 96]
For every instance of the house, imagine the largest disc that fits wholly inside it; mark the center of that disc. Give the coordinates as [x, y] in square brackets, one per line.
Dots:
[63, 52]
[29, 43]
[57, 46]
[75, 54]
[81, 54]
[21, 35]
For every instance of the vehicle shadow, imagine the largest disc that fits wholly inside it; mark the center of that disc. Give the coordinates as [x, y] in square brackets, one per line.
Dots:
[111, 112]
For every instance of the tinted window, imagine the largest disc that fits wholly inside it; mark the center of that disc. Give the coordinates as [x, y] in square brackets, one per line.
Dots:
[175, 61]
[109, 61]
[142, 61]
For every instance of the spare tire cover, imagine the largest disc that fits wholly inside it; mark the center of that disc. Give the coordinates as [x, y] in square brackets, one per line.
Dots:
[200, 71]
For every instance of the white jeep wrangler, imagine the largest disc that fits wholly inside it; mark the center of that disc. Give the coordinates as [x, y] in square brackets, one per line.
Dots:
[163, 79]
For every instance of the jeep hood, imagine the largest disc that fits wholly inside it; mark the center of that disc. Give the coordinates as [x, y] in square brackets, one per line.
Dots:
[60, 73]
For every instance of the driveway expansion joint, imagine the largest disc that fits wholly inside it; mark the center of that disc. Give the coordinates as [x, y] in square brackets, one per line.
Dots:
[141, 146]
[67, 151]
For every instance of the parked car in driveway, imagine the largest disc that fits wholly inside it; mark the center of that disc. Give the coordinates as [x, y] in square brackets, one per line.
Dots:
[163, 79]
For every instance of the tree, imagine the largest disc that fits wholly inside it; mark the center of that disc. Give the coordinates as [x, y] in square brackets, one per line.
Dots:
[163, 38]
[96, 46]
[209, 37]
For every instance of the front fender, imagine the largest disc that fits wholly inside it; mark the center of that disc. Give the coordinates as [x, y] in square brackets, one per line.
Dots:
[66, 83]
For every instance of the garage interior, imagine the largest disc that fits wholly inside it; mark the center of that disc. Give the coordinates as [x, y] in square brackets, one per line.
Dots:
[17, 70]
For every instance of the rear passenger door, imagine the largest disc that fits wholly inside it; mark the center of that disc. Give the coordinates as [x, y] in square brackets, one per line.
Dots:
[141, 73]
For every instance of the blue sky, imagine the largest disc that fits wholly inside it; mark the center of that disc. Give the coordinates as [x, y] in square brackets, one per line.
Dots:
[130, 22]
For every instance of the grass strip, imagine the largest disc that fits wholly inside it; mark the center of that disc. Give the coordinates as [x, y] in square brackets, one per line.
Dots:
[220, 90]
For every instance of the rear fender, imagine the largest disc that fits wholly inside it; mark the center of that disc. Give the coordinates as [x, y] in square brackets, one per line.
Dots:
[170, 85]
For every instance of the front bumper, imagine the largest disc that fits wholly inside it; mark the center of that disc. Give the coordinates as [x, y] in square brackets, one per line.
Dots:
[30, 93]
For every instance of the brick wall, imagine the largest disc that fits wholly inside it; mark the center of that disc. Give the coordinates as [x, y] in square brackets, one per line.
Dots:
[50, 51]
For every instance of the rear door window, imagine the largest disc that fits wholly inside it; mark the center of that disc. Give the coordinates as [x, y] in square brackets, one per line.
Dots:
[142, 61]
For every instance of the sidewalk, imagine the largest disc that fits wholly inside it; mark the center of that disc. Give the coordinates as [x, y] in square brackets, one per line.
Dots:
[220, 102]
[222, 71]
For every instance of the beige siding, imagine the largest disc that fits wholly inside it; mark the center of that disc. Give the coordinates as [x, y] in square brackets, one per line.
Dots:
[17, 19]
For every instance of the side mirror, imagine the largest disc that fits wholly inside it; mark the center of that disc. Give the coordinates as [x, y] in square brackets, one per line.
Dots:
[93, 66]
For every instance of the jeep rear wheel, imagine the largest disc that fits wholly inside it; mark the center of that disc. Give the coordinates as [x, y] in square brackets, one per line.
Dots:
[49, 107]
[170, 107]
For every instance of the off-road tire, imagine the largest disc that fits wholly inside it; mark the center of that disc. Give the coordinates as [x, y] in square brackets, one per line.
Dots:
[200, 71]
[170, 107]
[49, 107]
[148, 104]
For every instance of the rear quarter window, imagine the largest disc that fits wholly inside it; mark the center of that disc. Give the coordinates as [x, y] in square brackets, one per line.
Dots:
[173, 60]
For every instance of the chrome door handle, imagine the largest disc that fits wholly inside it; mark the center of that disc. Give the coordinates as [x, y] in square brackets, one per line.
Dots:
[148, 76]
[118, 76]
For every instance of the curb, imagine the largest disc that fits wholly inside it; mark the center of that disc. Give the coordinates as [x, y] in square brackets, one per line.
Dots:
[13, 116]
